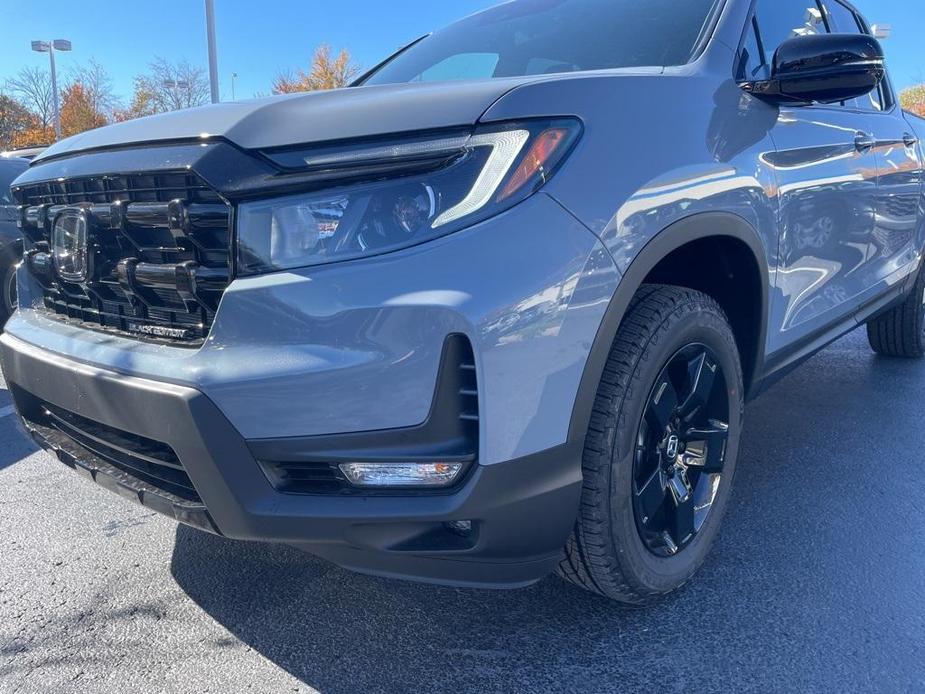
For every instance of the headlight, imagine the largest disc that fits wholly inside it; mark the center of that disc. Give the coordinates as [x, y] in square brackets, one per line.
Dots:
[406, 193]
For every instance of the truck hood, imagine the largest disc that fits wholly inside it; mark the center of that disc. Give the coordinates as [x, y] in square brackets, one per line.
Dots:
[307, 118]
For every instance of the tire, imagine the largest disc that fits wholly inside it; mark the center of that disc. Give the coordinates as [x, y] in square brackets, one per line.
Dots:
[7, 291]
[900, 332]
[606, 553]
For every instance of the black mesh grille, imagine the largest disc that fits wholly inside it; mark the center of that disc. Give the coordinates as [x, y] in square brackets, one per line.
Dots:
[306, 477]
[158, 253]
[140, 461]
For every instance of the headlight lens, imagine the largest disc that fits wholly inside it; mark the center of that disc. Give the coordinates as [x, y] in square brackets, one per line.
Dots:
[426, 188]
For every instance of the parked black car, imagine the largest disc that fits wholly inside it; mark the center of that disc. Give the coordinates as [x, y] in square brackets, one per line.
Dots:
[10, 237]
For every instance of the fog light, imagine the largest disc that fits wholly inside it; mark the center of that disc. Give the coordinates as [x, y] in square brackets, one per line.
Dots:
[401, 474]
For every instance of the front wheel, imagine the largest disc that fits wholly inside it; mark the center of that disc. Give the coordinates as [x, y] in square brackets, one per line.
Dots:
[660, 453]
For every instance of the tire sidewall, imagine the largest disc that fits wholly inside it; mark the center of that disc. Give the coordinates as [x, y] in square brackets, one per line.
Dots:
[662, 574]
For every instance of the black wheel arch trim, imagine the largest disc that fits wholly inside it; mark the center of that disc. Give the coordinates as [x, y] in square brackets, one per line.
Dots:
[679, 234]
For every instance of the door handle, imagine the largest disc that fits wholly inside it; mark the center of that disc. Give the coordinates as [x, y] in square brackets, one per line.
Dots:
[910, 140]
[864, 142]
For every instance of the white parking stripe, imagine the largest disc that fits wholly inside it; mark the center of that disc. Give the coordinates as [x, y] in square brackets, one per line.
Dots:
[7, 411]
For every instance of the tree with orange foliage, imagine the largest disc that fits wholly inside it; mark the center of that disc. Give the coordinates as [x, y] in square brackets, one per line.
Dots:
[87, 100]
[33, 135]
[14, 119]
[142, 105]
[327, 72]
[20, 127]
[913, 100]
[78, 111]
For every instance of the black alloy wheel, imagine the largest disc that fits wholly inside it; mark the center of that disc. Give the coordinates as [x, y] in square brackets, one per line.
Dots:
[661, 448]
[681, 450]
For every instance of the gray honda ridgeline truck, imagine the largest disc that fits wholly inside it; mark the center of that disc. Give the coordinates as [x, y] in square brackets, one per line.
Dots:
[492, 312]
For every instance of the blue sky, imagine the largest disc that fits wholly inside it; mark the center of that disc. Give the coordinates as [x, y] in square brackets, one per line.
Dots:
[257, 39]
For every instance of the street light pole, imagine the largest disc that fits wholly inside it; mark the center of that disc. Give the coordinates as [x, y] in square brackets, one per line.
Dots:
[50, 47]
[213, 60]
[54, 89]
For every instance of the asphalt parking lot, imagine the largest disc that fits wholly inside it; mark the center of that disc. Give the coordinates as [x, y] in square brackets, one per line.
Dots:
[816, 583]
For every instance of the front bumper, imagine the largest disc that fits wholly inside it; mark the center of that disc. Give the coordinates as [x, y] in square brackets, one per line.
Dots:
[356, 346]
[522, 510]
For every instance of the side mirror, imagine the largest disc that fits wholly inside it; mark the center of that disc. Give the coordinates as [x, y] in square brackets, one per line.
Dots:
[825, 68]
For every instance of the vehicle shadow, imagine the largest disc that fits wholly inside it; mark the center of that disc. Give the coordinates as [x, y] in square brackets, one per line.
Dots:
[808, 573]
[16, 444]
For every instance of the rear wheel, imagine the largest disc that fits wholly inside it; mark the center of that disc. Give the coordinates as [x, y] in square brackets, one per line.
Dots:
[901, 331]
[660, 453]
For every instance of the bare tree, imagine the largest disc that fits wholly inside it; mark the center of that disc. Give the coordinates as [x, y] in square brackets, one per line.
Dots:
[327, 72]
[170, 87]
[31, 86]
[142, 104]
[96, 85]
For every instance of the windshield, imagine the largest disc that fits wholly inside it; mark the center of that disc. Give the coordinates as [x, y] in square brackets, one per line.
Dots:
[537, 37]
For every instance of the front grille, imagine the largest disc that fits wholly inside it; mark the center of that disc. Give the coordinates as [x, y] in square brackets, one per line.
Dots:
[143, 462]
[158, 253]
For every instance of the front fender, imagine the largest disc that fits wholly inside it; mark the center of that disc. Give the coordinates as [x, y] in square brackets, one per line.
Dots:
[693, 228]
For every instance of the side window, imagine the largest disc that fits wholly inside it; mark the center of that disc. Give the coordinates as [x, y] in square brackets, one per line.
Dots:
[842, 20]
[776, 21]
[753, 65]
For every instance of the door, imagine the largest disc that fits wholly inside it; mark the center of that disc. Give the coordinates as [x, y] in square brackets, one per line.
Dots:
[827, 169]
[893, 249]
[896, 243]
[826, 165]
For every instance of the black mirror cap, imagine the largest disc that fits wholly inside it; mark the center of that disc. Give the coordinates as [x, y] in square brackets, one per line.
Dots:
[824, 68]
